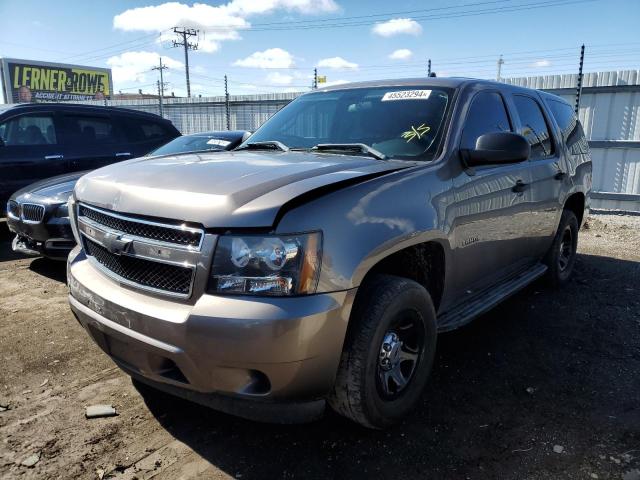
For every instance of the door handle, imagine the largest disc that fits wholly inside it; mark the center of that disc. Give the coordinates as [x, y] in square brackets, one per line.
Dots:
[53, 157]
[519, 187]
[123, 154]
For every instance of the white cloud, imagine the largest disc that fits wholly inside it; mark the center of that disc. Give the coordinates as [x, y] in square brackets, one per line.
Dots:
[332, 83]
[278, 78]
[252, 7]
[337, 63]
[542, 63]
[401, 54]
[167, 15]
[136, 66]
[270, 58]
[397, 26]
[215, 23]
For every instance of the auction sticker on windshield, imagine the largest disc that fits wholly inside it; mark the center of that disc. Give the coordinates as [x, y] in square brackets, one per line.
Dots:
[406, 95]
[217, 141]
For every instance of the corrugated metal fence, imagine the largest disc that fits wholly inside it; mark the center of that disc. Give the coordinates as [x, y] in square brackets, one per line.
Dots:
[609, 112]
[192, 115]
[610, 115]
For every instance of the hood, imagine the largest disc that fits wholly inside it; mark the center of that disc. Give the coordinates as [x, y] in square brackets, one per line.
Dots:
[51, 190]
[227, 189]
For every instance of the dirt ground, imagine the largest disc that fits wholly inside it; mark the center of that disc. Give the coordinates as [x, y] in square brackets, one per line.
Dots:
[546, 370]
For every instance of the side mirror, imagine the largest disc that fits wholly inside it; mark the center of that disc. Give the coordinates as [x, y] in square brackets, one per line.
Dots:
[497, 148]
[245, 136]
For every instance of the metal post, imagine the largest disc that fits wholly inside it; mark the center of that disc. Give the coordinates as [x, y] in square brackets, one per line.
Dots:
[429, 68]
[579, 87]
[226, 103]
[500, 63]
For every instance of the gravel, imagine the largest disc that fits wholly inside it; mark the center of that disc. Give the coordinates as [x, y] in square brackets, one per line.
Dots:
[578, 349]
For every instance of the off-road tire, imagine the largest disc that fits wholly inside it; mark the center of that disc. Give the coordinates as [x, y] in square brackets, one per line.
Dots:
[558, 276]
[356, 394]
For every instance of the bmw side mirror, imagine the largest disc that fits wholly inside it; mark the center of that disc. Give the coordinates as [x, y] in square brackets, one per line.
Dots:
[497, 148]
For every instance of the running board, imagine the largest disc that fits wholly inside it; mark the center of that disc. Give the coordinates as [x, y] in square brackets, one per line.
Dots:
[487, 299]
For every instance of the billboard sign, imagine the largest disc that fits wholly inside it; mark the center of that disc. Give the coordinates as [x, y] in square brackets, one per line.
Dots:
[30, 81]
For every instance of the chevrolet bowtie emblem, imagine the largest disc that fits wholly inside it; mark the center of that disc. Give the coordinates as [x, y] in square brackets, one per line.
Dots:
[116, 244]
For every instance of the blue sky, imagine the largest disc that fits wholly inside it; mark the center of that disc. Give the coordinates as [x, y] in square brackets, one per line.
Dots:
[273, 45]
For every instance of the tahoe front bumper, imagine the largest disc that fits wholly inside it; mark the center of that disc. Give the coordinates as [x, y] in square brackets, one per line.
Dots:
[240, 354]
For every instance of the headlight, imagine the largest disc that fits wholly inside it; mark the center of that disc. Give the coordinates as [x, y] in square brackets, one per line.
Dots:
[266, 265]
[13, 210]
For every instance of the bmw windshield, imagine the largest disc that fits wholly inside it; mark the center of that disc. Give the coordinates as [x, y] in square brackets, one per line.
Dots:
[399, 122]
[192, 143]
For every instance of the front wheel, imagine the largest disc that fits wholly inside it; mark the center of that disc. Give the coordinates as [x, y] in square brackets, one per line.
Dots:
[562, 255]
[388, 353]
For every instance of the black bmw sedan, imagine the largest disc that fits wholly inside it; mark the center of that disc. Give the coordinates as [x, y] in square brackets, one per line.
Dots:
[38, 214]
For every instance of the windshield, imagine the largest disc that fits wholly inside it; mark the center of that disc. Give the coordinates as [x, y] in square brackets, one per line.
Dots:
[400, 122]
[192, 143]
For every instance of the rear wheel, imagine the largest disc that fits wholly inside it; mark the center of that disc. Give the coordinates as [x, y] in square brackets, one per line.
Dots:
[562, 255]
[388, 353]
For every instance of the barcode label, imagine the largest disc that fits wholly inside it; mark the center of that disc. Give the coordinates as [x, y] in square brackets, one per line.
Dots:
[406, 95]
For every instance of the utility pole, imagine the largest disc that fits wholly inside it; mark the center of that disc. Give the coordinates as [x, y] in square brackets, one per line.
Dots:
[160, 84]
[186, 33]
[429, 68]
[579, 87]
[500, 63]
[160, 98]
[226, 103]
[315, 78]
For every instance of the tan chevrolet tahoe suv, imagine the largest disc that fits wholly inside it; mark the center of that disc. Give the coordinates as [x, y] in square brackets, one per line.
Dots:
[316, 263]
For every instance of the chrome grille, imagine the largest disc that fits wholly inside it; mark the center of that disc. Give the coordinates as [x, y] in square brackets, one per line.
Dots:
[32, 212]
[147, 273]
[13, 209]
[177, 235]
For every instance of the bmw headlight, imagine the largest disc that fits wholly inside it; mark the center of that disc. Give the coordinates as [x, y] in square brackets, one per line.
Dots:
[266, 265]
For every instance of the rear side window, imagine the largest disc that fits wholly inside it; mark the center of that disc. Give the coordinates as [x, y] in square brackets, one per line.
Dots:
[29, 130]
[533, 127]
[143, 130]
[487, 114]
[86, 129]
[570, 126]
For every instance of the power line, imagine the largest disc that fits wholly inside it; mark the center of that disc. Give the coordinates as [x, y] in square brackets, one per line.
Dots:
[137, 87]
[387, 14]
[91, 52]
[114, 53]
[463, 13]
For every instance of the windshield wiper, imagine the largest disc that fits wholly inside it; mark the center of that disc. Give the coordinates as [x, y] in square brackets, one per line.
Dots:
[266, 145]
[353, 147]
